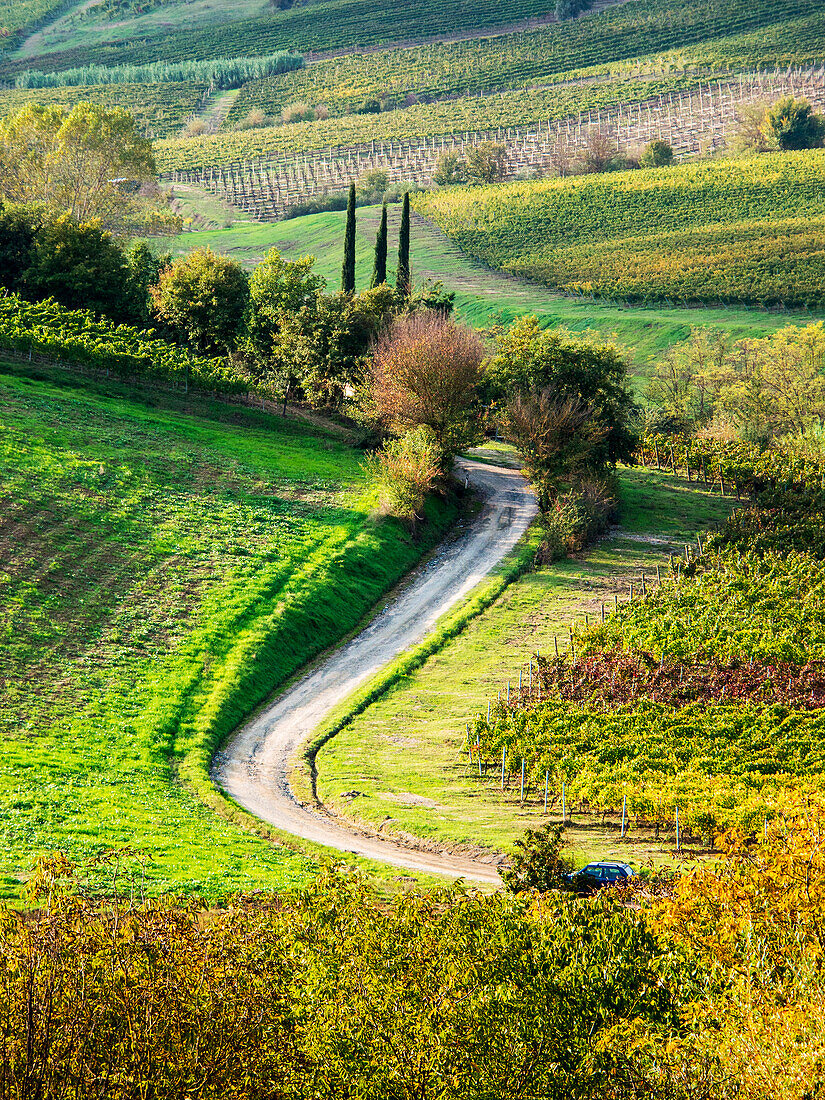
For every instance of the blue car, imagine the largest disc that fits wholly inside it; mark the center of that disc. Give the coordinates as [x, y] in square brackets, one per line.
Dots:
[595, 876]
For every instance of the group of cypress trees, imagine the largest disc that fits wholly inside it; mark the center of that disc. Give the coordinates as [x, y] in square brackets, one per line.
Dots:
[379, 271]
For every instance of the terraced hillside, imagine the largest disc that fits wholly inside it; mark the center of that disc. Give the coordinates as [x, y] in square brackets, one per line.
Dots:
[165, 32]
[748, 231]
[160, 110]
[263, 172]
[527, 59]
[639, 68]
[163, 566]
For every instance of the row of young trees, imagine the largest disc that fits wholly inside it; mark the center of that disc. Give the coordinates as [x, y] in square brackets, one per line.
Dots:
[403, 276]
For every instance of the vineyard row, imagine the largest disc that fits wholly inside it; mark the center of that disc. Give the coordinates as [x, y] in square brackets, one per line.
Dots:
[692, 122]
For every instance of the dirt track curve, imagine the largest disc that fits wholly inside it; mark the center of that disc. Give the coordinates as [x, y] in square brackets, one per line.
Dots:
[253, 767]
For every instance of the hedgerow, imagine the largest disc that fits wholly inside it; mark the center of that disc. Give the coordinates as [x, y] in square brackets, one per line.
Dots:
[218, 72]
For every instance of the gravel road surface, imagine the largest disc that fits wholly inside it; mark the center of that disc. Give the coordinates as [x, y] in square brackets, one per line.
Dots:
[253, 768]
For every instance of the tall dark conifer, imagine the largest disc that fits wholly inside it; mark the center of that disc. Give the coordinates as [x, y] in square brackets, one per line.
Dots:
[379, 271]
[402, 279]
[348, 270]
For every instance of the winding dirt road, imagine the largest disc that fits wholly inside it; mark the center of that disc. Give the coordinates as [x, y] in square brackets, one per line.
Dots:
[253, 768]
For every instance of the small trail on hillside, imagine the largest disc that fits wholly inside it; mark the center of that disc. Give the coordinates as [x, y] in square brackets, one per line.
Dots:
[215, 110]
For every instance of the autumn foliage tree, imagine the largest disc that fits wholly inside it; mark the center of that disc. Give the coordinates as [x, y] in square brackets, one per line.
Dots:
[89, 161]
[558, 437]
[328, 992]
[406, 470]
[423, 373]
[486, 162]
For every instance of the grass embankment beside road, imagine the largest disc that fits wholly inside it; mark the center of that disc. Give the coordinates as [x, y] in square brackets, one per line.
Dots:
[484, 297]
[164, 565]
[401, 766]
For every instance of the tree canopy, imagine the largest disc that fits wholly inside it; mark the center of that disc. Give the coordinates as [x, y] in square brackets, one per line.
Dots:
[530, 360]
[89, 161]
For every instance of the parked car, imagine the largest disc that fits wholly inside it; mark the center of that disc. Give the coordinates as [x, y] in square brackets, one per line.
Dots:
[595, 876]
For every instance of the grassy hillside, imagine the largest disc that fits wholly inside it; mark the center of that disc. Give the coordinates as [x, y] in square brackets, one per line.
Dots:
[483, 298]
[623, 31]
[745, 231]
[163, 566]
[257, 28]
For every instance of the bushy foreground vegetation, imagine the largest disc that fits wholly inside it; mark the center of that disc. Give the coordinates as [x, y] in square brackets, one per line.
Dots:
[333, 991]
[164, 567]
[745, 231]
[708, 991]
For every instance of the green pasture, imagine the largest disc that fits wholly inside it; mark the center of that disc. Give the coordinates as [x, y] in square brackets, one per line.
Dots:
[401, 765]
[79, 28]
[484, 298]
[164, 564]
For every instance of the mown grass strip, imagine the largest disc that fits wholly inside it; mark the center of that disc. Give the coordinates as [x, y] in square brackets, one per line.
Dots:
[516, 563]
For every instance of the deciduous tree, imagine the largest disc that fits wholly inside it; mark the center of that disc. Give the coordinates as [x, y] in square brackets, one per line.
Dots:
[530, 360]
[424, 371]
[793, 124]
[450, 169]
[486, 162]
[89, 161]
[656, 154]
[202, 298]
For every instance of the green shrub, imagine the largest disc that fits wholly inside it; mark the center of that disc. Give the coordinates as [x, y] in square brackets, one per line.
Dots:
[406, 471]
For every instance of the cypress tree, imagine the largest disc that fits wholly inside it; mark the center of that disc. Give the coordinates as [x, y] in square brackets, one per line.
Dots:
[379, 271]
[402, 279]
[348, 270]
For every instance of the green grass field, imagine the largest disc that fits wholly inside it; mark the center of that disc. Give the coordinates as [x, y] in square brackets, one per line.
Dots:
[484, 297]
[163, 566]
[400, 765]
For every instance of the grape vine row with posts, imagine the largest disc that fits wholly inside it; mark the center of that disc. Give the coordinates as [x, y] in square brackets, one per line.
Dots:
[692, 121]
